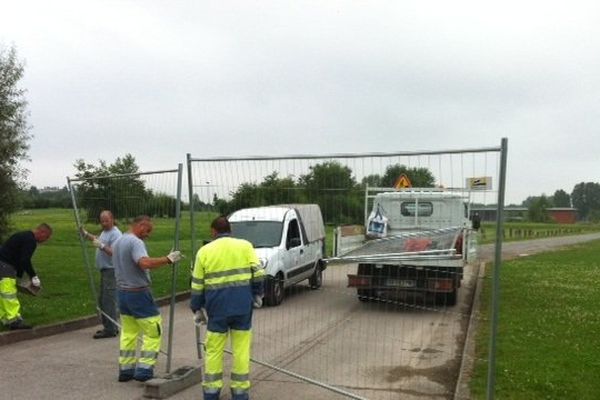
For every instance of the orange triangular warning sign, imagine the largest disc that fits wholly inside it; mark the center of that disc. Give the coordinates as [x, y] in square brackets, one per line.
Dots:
[402, 182]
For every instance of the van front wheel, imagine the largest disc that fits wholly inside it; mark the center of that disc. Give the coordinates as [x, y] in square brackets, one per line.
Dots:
[316, 279]
[274, 290]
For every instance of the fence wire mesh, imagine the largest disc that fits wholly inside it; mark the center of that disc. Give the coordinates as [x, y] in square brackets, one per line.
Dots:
[362, 314]
[155, 194]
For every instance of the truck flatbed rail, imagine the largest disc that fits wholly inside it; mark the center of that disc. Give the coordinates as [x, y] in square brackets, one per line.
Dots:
[425, 244]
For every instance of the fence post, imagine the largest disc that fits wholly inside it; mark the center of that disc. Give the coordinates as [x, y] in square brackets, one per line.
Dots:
[191, 199]
[491, 381]
[174, 270]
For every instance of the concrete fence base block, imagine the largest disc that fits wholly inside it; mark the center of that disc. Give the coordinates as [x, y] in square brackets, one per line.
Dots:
[176, 381]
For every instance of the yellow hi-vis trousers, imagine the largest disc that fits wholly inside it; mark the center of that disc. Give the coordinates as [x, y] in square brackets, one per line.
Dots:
[240, 370]
[131, 328]
[10, 308]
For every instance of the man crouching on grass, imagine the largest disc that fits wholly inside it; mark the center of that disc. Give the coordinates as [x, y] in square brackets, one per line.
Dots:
[15, 259]
[139, 313]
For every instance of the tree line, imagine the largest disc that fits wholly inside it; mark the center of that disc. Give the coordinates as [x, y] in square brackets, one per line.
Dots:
[330, 184]
[34, 198]
[585, 197]
[118, 187]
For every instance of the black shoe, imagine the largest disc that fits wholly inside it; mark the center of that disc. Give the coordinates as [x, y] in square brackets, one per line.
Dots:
[126, 375]
[104, 334]
[143, 374]
[18, 324]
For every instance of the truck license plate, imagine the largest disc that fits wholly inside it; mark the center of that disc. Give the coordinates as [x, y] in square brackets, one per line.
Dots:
[405, 283]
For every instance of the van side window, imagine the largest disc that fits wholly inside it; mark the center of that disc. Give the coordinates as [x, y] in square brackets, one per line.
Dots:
[293, 235]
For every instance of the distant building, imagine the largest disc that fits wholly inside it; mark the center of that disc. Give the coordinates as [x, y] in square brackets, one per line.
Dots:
[560, 215]
[563, 215]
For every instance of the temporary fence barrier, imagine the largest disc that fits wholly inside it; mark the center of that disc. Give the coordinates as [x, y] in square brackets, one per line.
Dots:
[379, 323]
[156, 194]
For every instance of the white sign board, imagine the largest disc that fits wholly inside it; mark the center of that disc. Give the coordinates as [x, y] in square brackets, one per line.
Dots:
[480, 183]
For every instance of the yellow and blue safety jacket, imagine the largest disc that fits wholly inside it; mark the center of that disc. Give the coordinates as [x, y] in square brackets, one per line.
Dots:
[227, 275]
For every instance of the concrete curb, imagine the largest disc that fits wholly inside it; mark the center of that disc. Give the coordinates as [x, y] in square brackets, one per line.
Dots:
[61, 327]
[462, 390]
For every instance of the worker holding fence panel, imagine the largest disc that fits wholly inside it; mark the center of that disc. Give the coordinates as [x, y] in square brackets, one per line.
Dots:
[227, 281]
[139, 313]
[107, 300]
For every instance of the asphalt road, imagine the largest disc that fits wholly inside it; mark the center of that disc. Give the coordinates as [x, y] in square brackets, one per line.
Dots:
[376, 351]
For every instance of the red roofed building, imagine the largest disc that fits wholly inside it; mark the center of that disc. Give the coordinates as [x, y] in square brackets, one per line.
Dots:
[563, 215]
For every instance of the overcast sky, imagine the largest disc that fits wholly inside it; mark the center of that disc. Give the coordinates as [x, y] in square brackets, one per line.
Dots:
[158, 79]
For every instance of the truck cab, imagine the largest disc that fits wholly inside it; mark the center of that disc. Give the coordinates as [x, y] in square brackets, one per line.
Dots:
[414, 210]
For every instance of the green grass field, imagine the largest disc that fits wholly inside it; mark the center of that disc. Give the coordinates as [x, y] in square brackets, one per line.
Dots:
[548, 345]
[60, 264]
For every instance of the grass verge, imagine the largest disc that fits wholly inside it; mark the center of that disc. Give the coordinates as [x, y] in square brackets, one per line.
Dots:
[548, 346]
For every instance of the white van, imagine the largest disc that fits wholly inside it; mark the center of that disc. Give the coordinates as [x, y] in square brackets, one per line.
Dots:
[289, 240]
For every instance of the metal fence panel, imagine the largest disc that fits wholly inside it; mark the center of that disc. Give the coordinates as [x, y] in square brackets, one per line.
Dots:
[156, 194]
[402, 333]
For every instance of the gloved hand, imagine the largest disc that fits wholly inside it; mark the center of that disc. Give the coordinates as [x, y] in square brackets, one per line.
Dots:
[257, 301]
[200, 317]
[86, 234]
[98, 244]
[174, 256]
[35, 281]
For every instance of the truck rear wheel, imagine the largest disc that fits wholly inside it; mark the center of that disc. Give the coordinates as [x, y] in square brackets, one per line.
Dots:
[365, 295]
[274, 291]
[447, 299]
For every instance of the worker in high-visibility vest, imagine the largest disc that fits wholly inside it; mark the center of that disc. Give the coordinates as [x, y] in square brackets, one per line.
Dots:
[139, 314]
[15, 260]
[227, 282]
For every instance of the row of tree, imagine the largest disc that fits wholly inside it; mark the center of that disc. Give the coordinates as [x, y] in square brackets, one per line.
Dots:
[118, 187]
[585, 197]
[33, 198]
[329, 184]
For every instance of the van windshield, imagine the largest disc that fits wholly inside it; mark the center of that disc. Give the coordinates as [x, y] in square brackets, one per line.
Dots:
[259, 233]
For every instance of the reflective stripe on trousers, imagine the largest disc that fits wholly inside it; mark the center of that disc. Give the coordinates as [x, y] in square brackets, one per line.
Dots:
[10, 308]
[132, 327]
[240, 368]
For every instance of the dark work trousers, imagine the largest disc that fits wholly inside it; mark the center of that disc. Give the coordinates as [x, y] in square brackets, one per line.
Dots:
[107, 300]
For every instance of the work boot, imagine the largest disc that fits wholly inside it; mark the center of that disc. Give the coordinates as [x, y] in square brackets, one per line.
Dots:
[239, 395]
[126, 375]
[18, 324]
[104, 334]
[211, 394]
[143, 374]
